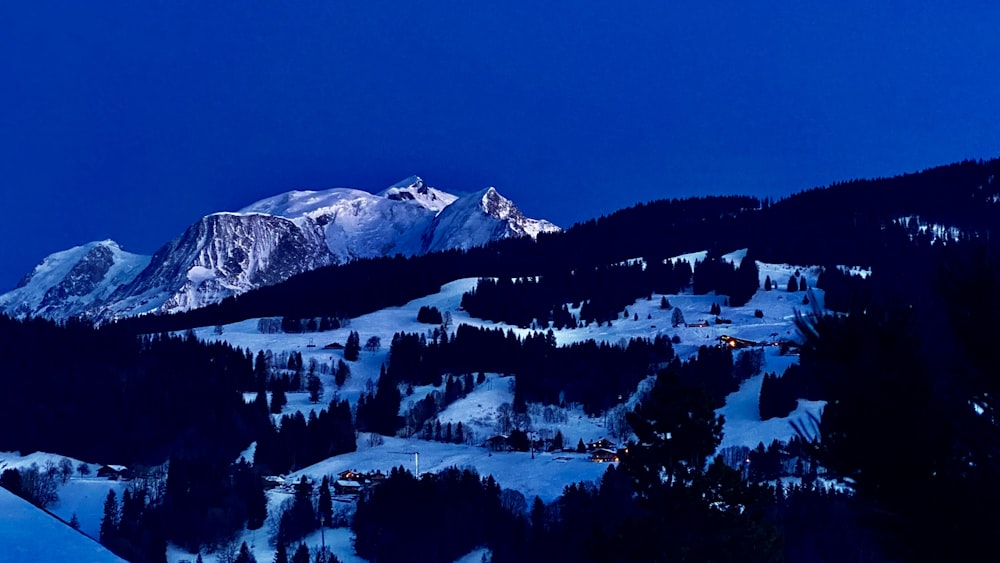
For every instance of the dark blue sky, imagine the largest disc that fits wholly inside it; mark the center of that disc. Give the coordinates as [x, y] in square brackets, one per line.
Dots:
[129, 120]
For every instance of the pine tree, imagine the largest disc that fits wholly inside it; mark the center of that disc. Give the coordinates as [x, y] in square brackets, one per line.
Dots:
[74, 522]
[315, 387]
[244, 555]
[557, 441]
[278, 399]
[109, 522]
[281, 553]
[343, 372]
[767, 283]
[580, 447]
[352, 350]
[793, 285]
[459, 433]
[301, 554]
[325, 506]
[664, 304]
[677, 317]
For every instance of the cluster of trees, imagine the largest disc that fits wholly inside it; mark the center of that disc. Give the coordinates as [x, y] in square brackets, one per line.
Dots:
[601, 293]
[715, 274]
[110, 395]
[294, 325]
[208, 500]
[779, 395]
[299, 441]
[378, 409]
[591, 373]
[421, 415]
[429, 315]
[37, 485]
[458, 511]
[134, 528]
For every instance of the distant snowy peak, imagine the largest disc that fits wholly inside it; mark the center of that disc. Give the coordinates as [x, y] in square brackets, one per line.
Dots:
[221, 255]
[414, 189]
[229, 253]
[68, 283]
[334, 201]
[479, 218]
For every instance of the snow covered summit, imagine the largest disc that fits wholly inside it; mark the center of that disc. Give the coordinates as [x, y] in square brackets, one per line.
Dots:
[266, 242]
[67, 283]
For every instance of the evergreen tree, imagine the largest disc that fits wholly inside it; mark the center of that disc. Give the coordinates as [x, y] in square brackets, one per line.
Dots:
[109, 521]
[352, 350]
[315, 387]
[557, 441]
[793, 285]
[278, 399]
[767, 283]
[280, 553]
[244, 555]
[74, 522]
[342, 373]
[580, 447]
[664, 304]
[677, 317]
[459, 433]
[301, 554]
[325, 505]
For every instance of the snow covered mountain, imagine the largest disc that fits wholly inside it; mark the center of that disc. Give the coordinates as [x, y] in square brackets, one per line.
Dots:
[226, 254]
[480, 218]
[68, 283]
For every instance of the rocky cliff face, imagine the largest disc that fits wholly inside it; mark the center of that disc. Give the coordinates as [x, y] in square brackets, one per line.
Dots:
[68, 283]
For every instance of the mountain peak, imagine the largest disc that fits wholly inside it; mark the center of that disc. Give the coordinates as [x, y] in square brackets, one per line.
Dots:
[414, 189]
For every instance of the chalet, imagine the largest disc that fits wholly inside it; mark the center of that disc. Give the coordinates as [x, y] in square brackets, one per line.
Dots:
[722, 321]
[114, 472]
[345, 487]
[602, 443]
[498, 443]
[350, 475]
[334, 346]
[699, 324]
[604, 455]
[736, 343]
[273, 482]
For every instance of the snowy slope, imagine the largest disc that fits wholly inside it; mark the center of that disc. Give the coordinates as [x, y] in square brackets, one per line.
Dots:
[30, 534]
[68, 283]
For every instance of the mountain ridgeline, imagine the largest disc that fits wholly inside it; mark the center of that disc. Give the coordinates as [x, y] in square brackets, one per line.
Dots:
[226, 254]
[872, 223]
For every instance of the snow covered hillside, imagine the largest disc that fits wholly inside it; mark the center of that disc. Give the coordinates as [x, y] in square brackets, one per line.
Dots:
[28, 533]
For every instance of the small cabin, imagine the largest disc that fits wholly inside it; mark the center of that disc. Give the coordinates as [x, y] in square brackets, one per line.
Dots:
[602, 443]
[334, 346]
[498, 443]
[114, 472]
[604, 455]
[344, 487]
